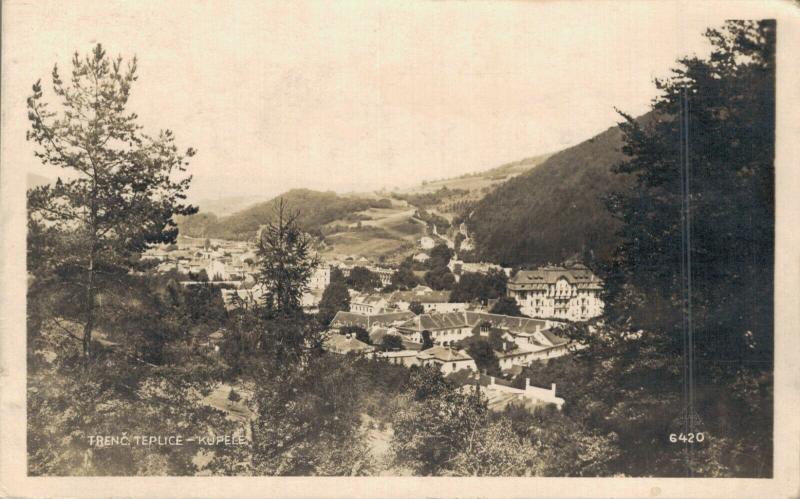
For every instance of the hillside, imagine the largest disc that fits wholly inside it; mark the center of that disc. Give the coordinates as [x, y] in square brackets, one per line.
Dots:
[556, 210]
[479, 181]
[315, 208]
[452, 198]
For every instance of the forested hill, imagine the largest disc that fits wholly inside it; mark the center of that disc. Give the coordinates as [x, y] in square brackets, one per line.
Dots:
[556, 210]
[316, 209]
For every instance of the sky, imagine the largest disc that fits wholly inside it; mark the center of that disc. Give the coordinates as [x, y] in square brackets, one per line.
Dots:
[357, 96]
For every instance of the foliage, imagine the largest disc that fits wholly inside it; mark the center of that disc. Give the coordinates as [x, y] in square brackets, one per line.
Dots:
[440, 278]
[416, 307]
[362, 279]
[436, 424]
[318, 210]
[506, 305]
[494, 451]
[479, 287]
[335, 298]
[122, 192]
[286, 263]
[403, 278]
[482, 352]
[308, 421]
[440, 256]
[392, 342]
[427, 341]
[697, 241]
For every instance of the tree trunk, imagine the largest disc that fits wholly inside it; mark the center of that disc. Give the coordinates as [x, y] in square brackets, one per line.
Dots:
[89, 326]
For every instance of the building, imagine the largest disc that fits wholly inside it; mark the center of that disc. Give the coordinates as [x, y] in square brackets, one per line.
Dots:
[421, 257]
[320, 278]
[405, 358]
[447, 359]
[342, 319]
[427, 242]
[344, 344]
[447, 328]
[562, 293]
[431, 300]
[501, 393]
[369, 304]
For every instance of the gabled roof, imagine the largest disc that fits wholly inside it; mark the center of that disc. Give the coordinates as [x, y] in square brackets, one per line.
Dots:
[342, 344]
[578, 275]
[343, 318]
[426, 296]
[554, 338]
[451, 320]
[444, 354]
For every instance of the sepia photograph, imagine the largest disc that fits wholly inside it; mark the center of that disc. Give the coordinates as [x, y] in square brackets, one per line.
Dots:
[393, 239]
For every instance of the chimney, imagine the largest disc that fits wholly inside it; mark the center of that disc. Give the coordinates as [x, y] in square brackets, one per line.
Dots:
[553, 389]
[527, 384]
[492, 380]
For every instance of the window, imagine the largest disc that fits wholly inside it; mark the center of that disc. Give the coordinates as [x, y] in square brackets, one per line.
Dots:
[454, 365]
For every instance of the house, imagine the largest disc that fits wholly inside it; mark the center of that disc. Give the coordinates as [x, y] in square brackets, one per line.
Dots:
[421, 257]
[427, 242]
[501, 393]
[566, 293]
[431, 301]
[320, 278]
[344, 344]
[405, 358]
[447, 359]
[447, 328]
[369, 304]
[342, 319]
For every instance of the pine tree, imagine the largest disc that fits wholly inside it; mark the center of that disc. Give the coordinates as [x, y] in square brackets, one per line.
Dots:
[286, 263]
[119, 194]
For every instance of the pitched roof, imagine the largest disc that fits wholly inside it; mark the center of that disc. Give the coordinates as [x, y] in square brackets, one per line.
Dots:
[343, 318]
[554, 338]
[444, 354]
[342, 344]
[422, 296]
[578, 275]
[451, 320]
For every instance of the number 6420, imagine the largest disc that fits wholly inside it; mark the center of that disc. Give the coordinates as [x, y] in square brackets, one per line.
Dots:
[688, 438]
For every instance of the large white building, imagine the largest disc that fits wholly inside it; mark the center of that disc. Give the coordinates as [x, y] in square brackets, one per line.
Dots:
[564, 293]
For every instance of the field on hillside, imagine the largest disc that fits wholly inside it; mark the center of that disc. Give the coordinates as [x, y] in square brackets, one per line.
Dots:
[477, 182]
[388, 233]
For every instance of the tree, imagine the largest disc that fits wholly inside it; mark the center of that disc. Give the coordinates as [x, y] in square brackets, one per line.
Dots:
[696, 230]
[506, 305]
[427, 342]
[392, 342]
[440, 256]
[286, 262]
[436, 425]
[308, 422]
[404, 278]
[494, 451]
[481, 351]
[416, 307]
[335, 298]
[362, 279]
[440, 278]
[479, 287]
[122, 193]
